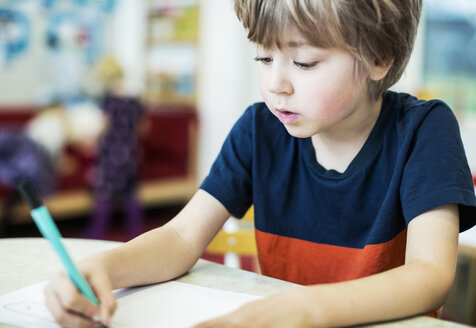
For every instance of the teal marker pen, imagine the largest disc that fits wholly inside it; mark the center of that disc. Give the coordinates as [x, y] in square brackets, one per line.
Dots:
[48, 229]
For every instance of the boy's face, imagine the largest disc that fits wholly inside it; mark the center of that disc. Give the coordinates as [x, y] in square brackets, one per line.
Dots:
[310, 90]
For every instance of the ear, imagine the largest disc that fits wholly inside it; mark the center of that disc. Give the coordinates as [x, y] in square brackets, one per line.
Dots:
[379, 70]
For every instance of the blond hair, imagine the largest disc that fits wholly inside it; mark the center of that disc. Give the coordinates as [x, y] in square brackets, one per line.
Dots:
[109, 71]
[378, 32]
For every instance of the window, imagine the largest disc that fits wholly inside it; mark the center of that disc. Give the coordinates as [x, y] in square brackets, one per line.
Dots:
[450, 53]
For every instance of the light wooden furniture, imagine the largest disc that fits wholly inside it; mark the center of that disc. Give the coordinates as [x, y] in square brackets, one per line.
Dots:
[236, 236]
[27, 261]
[236, 239]
[69, 204]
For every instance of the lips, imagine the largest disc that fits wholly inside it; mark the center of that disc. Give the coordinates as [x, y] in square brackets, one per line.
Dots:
[287, 117]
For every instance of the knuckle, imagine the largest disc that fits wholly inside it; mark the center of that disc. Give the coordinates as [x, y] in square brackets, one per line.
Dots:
[84, 324]
[69, 301]
[113, 305]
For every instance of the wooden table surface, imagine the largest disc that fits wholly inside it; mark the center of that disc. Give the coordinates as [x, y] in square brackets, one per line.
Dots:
[26, 261]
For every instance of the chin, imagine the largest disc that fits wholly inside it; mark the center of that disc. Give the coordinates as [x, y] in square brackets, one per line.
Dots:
[298, 133]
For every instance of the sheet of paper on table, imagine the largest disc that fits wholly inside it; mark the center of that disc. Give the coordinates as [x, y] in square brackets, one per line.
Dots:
[170, 304]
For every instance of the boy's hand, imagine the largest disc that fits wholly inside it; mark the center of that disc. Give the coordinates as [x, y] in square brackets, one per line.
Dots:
[284, 310]
[71, 309]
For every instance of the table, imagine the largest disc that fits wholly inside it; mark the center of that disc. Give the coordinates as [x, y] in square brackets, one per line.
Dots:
[26, 261]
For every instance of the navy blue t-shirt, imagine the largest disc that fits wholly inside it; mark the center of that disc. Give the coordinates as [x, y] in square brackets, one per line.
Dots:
[355, 222]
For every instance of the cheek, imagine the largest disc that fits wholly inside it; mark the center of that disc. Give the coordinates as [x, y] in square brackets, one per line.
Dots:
[262, 89]
[265, 94]
[262, 84]
[337, 100]
[331, 106]
[336, 87]
[328, 99]
[336, 96]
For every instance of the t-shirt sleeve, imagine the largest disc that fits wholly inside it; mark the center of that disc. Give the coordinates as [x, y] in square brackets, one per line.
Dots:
[229, 179]
[437, 171]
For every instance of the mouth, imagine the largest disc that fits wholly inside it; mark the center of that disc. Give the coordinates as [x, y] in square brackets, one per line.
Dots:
[287, 117]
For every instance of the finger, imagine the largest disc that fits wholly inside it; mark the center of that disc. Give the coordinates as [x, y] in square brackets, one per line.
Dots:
[206, 324]
[107, 302]
[216, 322]
[70, 297]
[62, 315]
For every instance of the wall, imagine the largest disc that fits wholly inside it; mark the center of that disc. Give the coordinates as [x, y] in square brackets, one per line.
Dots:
[20, 79]
[128, 41]
[227, 77]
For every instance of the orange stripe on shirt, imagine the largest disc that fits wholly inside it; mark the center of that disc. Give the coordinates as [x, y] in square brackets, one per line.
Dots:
[309, 263]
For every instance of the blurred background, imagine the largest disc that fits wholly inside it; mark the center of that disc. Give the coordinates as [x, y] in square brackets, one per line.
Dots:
[116, 109]
[188, 63]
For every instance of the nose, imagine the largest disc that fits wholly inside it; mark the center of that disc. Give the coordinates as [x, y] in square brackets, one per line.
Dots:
[279, 82]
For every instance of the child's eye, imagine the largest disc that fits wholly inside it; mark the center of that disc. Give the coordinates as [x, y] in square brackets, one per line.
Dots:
[305, 65]
[265, 60]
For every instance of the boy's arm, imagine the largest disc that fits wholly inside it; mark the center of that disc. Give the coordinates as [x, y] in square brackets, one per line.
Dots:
[418, 287]
[168, 251]
[158, 255]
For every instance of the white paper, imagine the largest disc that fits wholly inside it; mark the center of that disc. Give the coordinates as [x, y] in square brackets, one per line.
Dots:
[171, 304]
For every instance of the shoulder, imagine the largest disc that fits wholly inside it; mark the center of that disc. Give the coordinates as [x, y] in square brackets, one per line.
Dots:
[411, 106]
[415, 114]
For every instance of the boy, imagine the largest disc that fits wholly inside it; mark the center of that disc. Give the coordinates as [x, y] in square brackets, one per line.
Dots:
[358, 192]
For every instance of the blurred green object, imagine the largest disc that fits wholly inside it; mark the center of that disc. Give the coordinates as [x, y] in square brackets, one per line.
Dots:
[457, 91]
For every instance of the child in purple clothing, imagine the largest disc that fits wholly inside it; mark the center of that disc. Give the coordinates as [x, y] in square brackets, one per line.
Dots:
[117, 164]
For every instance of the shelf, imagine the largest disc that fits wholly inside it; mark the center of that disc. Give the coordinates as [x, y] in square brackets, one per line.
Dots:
[172, 52]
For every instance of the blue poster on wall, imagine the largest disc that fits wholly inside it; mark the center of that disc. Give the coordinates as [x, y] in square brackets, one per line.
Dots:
[14, 34]
[75, 41]
[74, 32]
[106, 6]
[65, 36]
